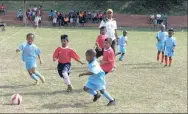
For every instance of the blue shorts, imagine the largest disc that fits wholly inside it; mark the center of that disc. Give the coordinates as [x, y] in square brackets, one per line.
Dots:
[94, 86]
[30, 65]
[63, 67]
[122, 49]
[169, 52]
[160, 46]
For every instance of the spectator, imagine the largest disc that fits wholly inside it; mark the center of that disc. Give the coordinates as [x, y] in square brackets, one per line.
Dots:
[3, 8]
[60, 19]
[20, 15]
[51, 15]
[66, 20]
[74, 19]
[164, 18]
[54, 18]
[151, 18]
[158, 18]
[154, 23]
[94, 17]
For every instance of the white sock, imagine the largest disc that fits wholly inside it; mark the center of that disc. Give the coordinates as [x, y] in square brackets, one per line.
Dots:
[66, 78]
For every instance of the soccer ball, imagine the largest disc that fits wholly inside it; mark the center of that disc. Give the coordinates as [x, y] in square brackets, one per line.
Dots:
[16, 99]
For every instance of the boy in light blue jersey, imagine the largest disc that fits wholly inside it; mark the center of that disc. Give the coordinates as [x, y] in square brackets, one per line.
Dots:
[161, 36]
[122, 45]
[96, 80]
[170, 44]
[29, 53]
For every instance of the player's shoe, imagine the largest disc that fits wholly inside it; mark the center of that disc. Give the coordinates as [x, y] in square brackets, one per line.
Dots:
[96, 97]
[69, 88]
[111, 103]
[42, 79]
[36, 83]
[165, 65]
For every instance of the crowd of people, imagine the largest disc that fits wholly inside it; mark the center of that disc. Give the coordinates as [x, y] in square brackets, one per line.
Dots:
[73, 18]
[158, 19]
[3, 8]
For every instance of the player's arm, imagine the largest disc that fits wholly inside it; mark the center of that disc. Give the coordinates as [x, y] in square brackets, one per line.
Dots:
[37, 51]
[56, 54]
[20, 48]
[116, 35]
[85, 73]
[39, 59]
[75, 56]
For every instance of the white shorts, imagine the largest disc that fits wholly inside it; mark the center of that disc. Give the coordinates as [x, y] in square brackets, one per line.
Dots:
[54, 20]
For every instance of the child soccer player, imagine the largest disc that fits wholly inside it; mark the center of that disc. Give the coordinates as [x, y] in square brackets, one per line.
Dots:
[107, 63]
[64, 54]
[122, 45]
[161, 36]
[100, 42]
[170, 44]
[96, 80]
[2, 25]
[29, 53]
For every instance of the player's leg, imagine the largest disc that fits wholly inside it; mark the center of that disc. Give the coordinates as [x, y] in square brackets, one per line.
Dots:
[122, 49]
[162, 57]
[166, 60]
[170, 61]
[33, 76]
[158, 55]
[89, 88]
[108, 96]
[38, 75]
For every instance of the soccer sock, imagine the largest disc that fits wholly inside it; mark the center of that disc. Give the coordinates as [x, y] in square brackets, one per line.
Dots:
[170, 60]
[34, 77]
[93, 92]
[107, 95]
[66, 78]
[162, 57]
[118, 53]
[166, 60]
[37, 74]
[158, 54]
[122, 55]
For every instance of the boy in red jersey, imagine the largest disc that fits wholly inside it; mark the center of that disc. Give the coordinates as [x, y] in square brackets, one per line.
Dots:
[64, 54]
[100, 42]
[107, 63]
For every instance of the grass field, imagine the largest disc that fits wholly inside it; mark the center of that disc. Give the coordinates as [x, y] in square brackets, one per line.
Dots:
[139, 84]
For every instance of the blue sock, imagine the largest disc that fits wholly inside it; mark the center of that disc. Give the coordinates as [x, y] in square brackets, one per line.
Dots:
[37, 74]
[34, 77]
[107, 95]
[93, 92]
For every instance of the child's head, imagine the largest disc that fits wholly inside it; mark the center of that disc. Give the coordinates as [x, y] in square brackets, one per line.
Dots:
[107, 43]
[64, 40]
[90, 55]
[162, 28]
[30, 38]
[103, 30]
[170, 32]
[124, 33]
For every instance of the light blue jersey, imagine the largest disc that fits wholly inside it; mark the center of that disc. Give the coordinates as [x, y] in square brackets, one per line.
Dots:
[29, 53]
[161, 36]
[122, 43]
[169, 44]
[97, 80]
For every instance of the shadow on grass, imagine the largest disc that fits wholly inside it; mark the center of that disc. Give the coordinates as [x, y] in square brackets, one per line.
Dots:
[47, 93]
[147, 67]
[15, 86]
[148, 63]
[58, 106]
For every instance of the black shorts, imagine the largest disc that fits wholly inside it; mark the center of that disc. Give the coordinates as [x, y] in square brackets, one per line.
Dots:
[99, 53]
[106, 73]
[63, 67]
[2, 25]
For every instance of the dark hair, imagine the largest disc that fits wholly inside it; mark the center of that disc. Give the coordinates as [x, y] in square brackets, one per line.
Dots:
[29, 34]
[103, 27]
[90, 52]
[171, 29]
[64, 37]
[109, 40]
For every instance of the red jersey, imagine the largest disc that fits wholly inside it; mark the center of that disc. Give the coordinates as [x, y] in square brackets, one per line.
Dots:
[100, 40]
[3, 7]
[64, 55]
[108, 55]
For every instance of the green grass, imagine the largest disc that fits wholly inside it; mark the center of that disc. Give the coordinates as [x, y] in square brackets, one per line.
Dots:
[139, 84]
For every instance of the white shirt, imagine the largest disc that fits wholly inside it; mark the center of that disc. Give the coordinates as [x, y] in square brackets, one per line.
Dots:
[110, 25]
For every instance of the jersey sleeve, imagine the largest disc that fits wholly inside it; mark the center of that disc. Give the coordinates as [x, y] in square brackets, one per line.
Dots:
[74, 55]
[93, 68]
[102, 24]
[56, 53]
[37, 50]
[21, 47]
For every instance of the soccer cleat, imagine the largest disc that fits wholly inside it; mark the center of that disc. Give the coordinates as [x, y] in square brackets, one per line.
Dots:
[42, 79]
[69, 88]
[165, 65]
[96, 97]
[111, 103]
[120, 59]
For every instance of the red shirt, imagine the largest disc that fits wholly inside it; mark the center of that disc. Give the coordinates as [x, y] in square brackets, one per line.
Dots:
[3, 7]
[64, 55]
[100, 40]
[108, 55]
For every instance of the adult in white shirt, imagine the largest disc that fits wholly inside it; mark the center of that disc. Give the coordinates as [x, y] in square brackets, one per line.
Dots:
[111, 27]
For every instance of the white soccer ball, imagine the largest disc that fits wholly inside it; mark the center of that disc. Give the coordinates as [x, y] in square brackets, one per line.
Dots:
[16, 99]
